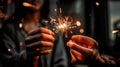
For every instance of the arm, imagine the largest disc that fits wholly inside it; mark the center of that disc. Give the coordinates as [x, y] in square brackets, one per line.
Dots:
[109, 61]
[9, 54]
[85, 49]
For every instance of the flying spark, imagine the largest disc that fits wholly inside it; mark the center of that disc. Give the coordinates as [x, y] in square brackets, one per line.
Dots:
[63, 24]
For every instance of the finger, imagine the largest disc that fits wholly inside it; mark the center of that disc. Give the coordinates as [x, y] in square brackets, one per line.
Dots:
[78, 55]
[41, 36]
[73, 58]
[41, 30]
[84, 39]
[45, 52]
[83, 50]
[81, 44]
[35, 53]
[105, 58]
[70, 43]
[33, 38]
[40, 44]
[100, 59]
[47, 37]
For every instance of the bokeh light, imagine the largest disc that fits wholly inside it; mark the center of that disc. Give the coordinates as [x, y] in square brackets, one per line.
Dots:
[97, 4]
[81, 30]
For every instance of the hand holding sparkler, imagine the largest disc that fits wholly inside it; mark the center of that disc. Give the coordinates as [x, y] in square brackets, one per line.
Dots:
[38, 39]
[39, 42]
[83, 48]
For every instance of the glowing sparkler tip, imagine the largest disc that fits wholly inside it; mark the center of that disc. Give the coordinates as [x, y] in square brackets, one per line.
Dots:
[64, 24]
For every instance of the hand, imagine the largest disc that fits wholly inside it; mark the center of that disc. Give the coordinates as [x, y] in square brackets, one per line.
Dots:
[83, 48]
[39, 41]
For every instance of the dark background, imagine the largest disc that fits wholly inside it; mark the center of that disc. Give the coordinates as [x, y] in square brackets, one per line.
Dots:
[95, 19]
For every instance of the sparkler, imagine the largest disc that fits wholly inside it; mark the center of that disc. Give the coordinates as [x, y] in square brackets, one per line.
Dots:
[63, 24]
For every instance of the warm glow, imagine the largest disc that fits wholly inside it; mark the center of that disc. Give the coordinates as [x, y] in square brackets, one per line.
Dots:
[9, 1]
[63, 24]
[115, 31]
[78, 23]
[37, 49]
[9, 50]
[97, 3]
[20, 25]
[81, 30]
[27, 4]
[21, 43]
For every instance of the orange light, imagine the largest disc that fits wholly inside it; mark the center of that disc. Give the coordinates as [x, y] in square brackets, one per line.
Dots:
[115, 31]
[81, 30]
[9, 1]
[27, 4]
[97, 3]
[20, 25]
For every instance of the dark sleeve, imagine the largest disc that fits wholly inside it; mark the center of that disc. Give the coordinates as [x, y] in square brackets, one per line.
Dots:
[9, 54]
[109, 62]
[59, 56]
[1, 64]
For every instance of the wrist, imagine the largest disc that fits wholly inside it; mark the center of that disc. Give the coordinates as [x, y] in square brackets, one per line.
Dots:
[100, 60]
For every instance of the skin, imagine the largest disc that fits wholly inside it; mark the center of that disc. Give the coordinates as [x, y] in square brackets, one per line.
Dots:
[42, 37]
[83, 48]
[37, 38]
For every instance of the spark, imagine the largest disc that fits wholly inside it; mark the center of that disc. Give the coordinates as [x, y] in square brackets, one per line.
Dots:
[115, 31]
[63, 24]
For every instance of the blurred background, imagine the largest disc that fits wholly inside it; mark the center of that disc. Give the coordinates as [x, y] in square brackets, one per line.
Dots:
[99, 19]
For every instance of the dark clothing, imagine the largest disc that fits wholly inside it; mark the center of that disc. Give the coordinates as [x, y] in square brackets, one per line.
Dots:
[109, 62]
[13, 51]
